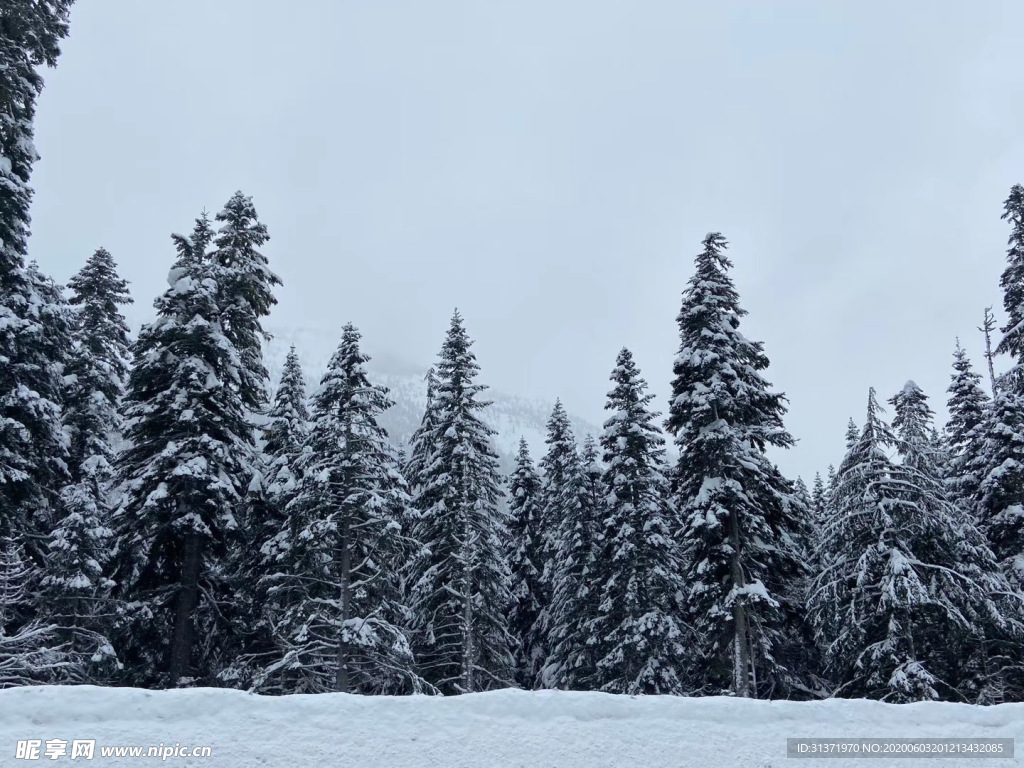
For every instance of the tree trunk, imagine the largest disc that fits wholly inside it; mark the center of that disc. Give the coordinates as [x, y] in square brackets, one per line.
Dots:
[342, 683]
[987, 326]
[469, 645]
[741, 651]
[188, 598]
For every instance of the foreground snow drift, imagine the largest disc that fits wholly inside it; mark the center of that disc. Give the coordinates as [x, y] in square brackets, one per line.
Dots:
[544, 729]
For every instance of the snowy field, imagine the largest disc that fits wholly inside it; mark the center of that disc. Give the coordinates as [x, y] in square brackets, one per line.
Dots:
[489, 730]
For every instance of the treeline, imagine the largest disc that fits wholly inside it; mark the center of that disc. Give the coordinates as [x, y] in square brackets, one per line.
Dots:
[164, 522]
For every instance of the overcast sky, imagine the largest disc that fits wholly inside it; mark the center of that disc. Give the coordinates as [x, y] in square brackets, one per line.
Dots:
[551, 167]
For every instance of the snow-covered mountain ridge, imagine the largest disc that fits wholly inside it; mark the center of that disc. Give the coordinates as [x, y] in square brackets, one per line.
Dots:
[511, 415]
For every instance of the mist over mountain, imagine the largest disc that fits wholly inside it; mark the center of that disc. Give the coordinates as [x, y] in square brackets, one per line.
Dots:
[511, 415]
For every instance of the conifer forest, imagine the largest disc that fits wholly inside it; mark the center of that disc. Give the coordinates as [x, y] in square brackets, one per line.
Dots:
[172, 517]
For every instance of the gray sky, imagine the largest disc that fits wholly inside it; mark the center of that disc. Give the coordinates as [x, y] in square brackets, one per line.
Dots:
[551, 167]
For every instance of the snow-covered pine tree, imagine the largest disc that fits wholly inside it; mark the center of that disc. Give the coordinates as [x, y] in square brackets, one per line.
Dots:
[53, 316]
[420, 445]
[741, 523]
[862, 599]
[559, 482]
[581, 505]
[459, 591]
[559, 466]
[906, 577]
[189, 463]
[525, 564]
[30, 652]
[800, 489]
[32, 442]
[245, 293]
[75, 589]
[98, 366]
[336, 611]
[912, 422]
[1012, 279]
[1000, 494]
[269, 529]
[819, 496]
[283, 439]
[979, 608]
[639, 644]
[852, 433]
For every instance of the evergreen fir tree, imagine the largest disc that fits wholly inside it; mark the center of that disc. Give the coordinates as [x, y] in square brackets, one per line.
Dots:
[800, 489]
[245, 293]
[905, 577]
[559, 482]
[742, 525]
[460, 586]
[639, 644]
[984, 612]
[335, 594]
[852, 434]
[283, 440]
[32, 443]
[1000, 494]
[912, 421]
[1012, 279]
[420, 443]
[819, 498]
[560, 465]
[190, 461]
[577, 547]
[99, 360]
[75, 589]
[967, 405]
[525, 564]
[30, 652]
[31, 481]
[270, 529]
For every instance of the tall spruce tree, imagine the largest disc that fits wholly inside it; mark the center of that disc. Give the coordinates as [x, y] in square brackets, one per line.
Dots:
[336, 611]
[1000, 494]
[75, 588]
[559, 480]
[978, 603]
[30, 651]
[581, 506]
[32, 442]
[819, 495]
[639, 643]
[905, 577]
[283, 439]
[459, 591]
[525, 564]
[270, 530]
[1012, 279]
[741, 523]
[420, 443]
[191, 458]
[32, 480]
[245, 293]
[967, 405]
[802, 492]
[852, 434]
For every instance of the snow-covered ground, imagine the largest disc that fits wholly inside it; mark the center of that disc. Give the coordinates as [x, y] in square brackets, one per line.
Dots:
[489, 730]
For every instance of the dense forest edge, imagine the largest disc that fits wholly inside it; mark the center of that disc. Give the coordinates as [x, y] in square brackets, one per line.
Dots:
[166, 522]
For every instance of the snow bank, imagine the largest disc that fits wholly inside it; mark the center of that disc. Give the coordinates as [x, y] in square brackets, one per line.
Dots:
[543, 729]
